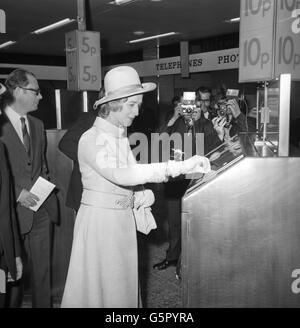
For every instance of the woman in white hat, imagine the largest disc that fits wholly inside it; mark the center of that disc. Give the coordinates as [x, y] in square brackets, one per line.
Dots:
[103, 269]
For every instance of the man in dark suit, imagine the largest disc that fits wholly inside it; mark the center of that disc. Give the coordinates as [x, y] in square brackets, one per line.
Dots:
[175, 189]
[25, 142]
[204, 102]
[10, 249]
[69, 146]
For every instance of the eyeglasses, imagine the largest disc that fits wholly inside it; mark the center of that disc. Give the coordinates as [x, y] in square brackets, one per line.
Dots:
[37, 91]
[204, 101]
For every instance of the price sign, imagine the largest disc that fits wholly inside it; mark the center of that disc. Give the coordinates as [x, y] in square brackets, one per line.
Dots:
[72, 59]
[83, 60]
[269, 39]
[256, 40]
[2, 21]
[288, 38]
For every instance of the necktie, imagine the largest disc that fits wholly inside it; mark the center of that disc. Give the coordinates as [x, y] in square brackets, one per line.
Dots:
[26, 138]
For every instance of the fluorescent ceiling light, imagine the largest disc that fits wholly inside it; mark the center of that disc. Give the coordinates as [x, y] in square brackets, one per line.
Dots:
[53, 26]
[138, 32]
[153, 37]
[6, 44]
[233, 20]
[121, 2]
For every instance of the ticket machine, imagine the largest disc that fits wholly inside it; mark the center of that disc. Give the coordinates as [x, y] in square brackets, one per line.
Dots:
[241, 231]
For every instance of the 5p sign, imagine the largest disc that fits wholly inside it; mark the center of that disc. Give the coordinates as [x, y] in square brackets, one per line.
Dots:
[83, 60]
[2, 21]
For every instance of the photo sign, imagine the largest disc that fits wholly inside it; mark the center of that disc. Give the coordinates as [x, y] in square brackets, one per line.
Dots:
[83, 60]
[256, 40]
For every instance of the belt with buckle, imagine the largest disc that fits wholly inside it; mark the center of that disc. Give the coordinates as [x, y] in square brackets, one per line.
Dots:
[107, 200]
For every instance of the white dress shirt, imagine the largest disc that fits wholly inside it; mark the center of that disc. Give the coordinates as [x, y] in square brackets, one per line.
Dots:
[15, 120]
[206, 114]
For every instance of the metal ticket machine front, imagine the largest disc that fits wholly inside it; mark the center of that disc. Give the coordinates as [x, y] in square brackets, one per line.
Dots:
[241, 231]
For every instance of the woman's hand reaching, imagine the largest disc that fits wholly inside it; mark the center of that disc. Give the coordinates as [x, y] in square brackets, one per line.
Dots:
[195, 164]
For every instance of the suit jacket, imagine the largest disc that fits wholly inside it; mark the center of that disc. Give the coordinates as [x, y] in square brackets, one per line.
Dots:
[176, 188]
[242, 124]
[24, 170]
[9, 234]
[211, 115]
[211, 139]
[69, 146]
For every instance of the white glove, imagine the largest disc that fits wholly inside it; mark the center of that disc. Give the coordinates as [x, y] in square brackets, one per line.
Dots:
[143, 198]
[195, 164]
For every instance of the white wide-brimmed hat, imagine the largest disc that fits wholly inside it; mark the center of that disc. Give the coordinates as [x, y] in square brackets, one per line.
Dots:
[122, 82]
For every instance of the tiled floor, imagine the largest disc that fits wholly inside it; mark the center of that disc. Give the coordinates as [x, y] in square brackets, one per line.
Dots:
[160, 289]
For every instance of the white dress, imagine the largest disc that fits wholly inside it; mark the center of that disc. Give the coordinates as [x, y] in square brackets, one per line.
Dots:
[103, 269]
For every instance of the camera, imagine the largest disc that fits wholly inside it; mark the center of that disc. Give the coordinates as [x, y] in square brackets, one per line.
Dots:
[222, 105]
[188, 104]
[223, 109]
[187, 110]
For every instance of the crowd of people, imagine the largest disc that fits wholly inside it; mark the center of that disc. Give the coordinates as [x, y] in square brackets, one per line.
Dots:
[217, 128]
[106, 189]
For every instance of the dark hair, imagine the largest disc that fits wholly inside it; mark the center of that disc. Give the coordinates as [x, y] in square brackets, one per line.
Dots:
[18, 77]
[218, 94]
[101, 93]
[203, 89]
[175, 98]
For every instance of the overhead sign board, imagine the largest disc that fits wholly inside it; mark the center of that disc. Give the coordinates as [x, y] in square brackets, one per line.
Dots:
[2, 21]
[201, 62]
[256, 40]
[287, 59]
[269, 39]
[83, 60]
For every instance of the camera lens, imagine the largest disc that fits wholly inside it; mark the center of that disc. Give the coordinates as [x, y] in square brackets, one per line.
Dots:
[222, 109]
[187, 110]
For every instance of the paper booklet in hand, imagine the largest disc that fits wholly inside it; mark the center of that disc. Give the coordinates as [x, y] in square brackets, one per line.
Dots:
[42, 188]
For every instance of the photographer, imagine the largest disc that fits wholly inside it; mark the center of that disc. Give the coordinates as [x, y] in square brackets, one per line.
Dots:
[204, 101]
[230, 116]
[173, 115]
[186, 119]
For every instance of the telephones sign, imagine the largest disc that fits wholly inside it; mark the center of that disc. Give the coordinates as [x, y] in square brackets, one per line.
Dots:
[83, 60]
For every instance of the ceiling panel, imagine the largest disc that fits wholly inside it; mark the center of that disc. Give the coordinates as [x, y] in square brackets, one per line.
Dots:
[192, 19]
